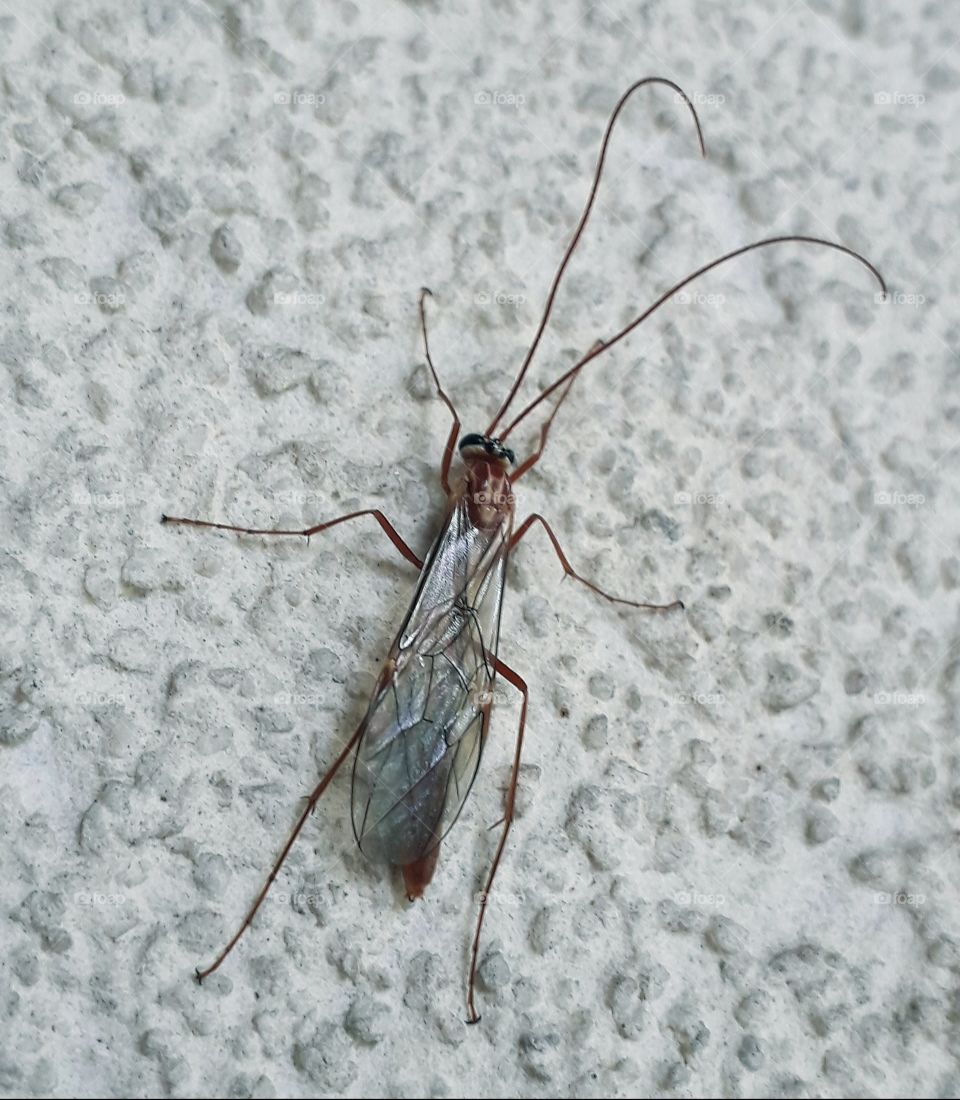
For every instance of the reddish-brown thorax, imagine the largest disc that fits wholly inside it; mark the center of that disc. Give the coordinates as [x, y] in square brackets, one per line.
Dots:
[488, 491]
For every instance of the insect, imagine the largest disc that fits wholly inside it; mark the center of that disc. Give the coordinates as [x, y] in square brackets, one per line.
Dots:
[419, 745]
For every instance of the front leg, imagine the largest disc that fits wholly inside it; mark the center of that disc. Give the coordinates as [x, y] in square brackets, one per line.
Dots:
[389, 530]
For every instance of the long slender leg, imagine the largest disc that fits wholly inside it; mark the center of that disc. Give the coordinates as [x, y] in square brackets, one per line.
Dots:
[529, 463]
[455, 429]
[388, 528]
[520, 684]
[571, 572]
[301, 821]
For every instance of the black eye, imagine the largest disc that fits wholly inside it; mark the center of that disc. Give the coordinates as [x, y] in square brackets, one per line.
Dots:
[473, 440]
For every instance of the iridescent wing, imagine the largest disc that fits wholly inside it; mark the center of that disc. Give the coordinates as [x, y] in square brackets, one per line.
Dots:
[426, 724]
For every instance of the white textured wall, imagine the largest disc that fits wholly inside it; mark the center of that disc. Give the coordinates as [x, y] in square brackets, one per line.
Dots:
[215, 221]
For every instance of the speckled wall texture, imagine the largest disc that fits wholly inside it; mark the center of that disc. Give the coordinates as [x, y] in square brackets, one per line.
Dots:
[735, 866]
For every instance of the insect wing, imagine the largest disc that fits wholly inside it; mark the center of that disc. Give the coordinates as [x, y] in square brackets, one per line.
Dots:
[426, 724]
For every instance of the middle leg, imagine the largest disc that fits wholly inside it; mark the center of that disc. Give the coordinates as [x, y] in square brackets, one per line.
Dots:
[571, 572]
[388, 529]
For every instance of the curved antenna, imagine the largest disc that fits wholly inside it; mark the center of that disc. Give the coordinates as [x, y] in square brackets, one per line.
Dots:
[582, 224]
[426, 292]
[604, 345]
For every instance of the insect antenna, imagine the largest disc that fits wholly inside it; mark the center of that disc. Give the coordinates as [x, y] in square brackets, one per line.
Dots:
[426, 292]
[582, 224]
[605, 345]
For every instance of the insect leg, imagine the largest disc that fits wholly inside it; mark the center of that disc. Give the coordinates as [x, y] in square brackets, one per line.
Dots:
[389, 530]
[301, 821]
[529, 463]
[571, 572]
[520, 684]
[455, 428]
